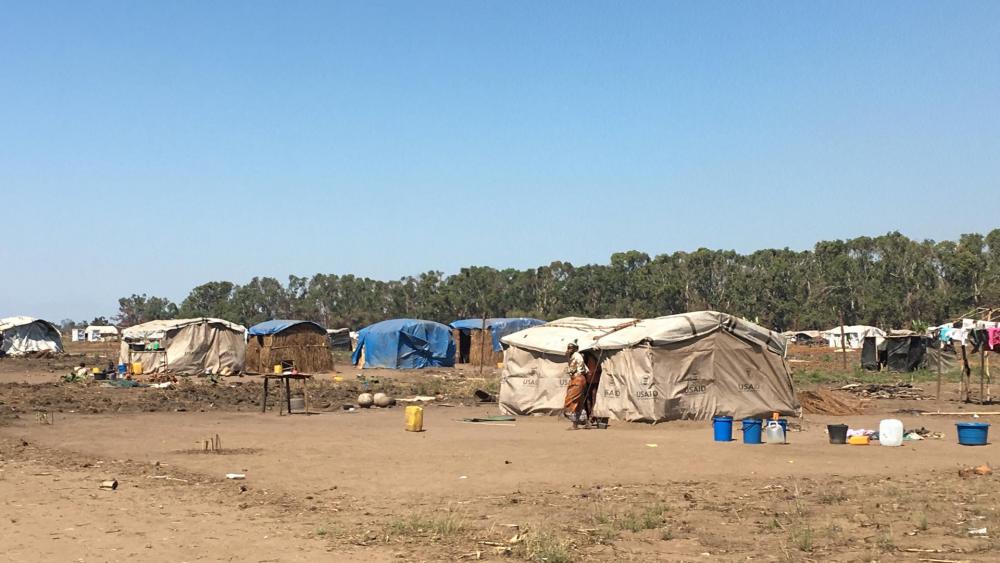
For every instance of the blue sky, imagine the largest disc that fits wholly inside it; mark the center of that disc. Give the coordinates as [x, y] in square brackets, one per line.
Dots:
[147, 147]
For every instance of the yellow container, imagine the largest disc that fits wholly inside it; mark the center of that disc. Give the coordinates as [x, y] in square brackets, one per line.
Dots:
[858, 440]
[136, 368]
[414, 419]
[95, 370]
[277, 369]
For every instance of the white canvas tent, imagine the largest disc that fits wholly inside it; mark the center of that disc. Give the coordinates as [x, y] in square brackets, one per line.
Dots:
[534, 379]
[854, 336]
[24, 335]
[100, 333]
[695, 365]
[185, 346]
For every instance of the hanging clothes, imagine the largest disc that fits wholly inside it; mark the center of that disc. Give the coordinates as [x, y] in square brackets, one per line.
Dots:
[994, 338]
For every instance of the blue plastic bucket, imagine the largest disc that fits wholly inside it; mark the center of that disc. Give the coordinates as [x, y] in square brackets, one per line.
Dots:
[972, 433]
[723, 428]
[783, 422]
[751, 431]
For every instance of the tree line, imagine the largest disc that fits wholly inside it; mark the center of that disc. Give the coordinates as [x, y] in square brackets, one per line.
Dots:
[889, 281]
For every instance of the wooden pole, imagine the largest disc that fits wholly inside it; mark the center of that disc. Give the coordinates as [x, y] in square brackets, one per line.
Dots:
[982, 375]
[940, 346]
[482, 346]
[843, 341]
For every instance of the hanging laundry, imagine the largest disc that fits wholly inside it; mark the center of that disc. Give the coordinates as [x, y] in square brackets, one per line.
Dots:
[994, 334]
[944, 336]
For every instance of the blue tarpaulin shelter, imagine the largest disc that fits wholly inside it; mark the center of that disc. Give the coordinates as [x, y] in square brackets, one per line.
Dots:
[405, 344]
[497, 327]
[277, 325]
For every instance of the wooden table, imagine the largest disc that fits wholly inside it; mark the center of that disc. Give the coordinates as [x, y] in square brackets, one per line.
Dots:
[288, 390]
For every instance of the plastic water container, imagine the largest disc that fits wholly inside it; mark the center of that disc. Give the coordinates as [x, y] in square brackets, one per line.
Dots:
[890, 432]
[414, 419]
[775, 433]
[136, 368]
[973, 433]
[722, 428]
[751, 431]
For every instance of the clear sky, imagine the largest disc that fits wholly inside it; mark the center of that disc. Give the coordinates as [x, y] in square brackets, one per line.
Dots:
[147, 147]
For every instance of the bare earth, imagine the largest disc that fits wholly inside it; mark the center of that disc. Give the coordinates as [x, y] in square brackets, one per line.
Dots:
[354, 486]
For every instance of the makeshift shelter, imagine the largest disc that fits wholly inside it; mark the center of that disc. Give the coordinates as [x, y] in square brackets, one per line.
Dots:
[404, 344]
[533, 380]
[302, 345]
[100, 333]
[26, 335]
[853, 336]
[340, 338]
[804, 337]
[476, 346]
[900, 352]
[185, 346]
[691, 366]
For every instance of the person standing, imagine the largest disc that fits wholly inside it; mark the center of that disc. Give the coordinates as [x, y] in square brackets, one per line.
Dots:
[576, 389]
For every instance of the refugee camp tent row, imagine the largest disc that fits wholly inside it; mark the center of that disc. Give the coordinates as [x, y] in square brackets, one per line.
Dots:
[302, 345]
[476, 346]
[185, 346]
[853, 336]
[26, 335]
[690, 366]
[404, 344]
[805, 337]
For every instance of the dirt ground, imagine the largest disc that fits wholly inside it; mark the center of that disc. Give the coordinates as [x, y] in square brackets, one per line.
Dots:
[352, 486]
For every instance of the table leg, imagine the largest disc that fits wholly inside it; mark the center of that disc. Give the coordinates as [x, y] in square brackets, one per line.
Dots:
[288, 394]
[263, 400]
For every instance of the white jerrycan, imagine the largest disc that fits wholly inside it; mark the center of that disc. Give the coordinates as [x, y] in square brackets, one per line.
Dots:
[775, 433]
[890, 432]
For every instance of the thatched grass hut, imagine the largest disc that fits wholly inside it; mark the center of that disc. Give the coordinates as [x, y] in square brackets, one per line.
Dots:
[302, 345]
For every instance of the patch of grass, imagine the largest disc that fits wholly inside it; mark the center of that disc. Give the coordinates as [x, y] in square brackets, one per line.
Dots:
[833, 497]
[605, 535]
[667, 534]
[321, 532]
[545, 547]
[773, 525]
[802, 538]
[421, 524]
[858, 375]
[649, 518]
[922, 522]
[884, 542]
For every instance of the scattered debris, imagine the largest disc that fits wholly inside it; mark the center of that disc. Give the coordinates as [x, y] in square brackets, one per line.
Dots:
[983, 469]
[109, 485]
[236, 476]
[484, 396]
[886, 391]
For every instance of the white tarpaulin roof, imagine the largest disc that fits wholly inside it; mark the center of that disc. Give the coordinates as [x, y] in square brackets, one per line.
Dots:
[103, 330]
[14, 322]
[156, 330]
[861, 330]
[553, 337]
[678, 328]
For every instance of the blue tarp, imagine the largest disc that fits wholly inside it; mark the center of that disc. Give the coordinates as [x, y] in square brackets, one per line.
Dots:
[405, 344]
[498, 327]
[276, 326]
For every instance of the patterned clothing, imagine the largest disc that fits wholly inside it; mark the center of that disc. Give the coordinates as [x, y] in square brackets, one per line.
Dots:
[576, 390]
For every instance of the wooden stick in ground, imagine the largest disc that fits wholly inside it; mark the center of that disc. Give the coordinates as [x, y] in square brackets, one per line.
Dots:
[482, 346]
[982, 375]
[940, 354]
[843, 341]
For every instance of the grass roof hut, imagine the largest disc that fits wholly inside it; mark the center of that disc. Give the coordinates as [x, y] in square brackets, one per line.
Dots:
[302, 345]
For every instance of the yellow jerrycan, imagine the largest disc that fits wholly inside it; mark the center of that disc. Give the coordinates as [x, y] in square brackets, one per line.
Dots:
[414, 419]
